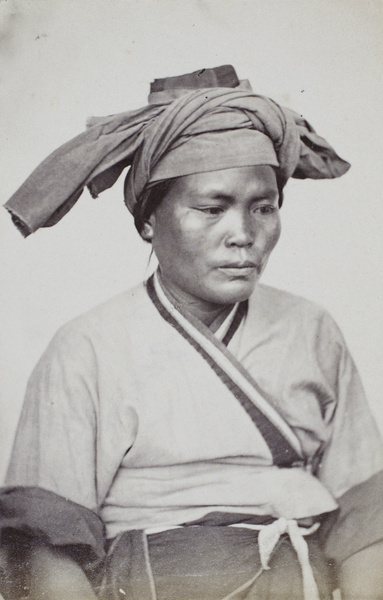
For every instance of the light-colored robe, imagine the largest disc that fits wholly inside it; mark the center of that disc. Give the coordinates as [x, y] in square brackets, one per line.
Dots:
[125, 417]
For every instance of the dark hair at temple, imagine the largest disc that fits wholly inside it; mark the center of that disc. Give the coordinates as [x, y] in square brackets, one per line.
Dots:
[154, 195]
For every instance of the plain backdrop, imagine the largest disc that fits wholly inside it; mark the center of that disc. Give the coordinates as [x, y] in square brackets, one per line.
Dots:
[61, 62]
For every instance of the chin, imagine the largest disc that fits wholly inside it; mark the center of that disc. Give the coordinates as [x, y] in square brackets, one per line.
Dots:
[235, 291]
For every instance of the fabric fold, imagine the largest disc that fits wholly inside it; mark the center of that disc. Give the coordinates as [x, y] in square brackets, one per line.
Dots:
[357, 523]
[45, 516]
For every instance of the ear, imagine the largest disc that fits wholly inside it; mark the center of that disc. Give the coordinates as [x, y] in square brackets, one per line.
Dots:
[147, 231]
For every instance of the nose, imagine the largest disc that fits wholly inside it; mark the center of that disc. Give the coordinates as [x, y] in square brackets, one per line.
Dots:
[240, 230]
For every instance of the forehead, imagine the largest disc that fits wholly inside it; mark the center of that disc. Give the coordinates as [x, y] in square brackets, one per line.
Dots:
[255, 179]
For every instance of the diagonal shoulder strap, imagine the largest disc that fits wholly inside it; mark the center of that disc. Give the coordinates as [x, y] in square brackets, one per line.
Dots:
[281, 440]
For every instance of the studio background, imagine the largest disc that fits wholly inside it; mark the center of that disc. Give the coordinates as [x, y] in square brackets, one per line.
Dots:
[62, 62]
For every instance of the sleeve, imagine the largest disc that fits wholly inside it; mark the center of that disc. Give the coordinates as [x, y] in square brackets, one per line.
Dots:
[352, 459]
[55, 444]
[75, 428]
[31, 516]
[36, 514]
[51, 495]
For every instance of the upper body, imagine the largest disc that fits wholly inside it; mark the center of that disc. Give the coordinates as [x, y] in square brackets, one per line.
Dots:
[126, 418]
[132, 413]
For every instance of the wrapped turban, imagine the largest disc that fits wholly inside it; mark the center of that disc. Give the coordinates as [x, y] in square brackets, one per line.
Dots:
[203, 121]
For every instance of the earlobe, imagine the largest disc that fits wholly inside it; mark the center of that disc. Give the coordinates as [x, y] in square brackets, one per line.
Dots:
[147, 231]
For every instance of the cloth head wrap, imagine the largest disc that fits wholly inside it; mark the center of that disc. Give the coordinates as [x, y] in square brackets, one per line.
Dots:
[184, 130]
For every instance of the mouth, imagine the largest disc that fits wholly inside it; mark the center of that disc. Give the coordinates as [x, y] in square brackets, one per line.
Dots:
[240, 269]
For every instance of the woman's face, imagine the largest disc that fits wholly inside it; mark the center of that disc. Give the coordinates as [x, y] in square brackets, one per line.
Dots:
[213, 234]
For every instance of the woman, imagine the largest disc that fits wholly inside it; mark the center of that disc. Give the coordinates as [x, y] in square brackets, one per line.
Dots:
[202, 435]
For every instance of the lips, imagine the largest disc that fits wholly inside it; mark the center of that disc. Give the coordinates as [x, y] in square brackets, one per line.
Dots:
[239, 269]
[238, 265]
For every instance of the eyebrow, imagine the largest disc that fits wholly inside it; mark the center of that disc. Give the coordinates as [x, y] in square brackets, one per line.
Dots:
[215, 194]
[219, 195]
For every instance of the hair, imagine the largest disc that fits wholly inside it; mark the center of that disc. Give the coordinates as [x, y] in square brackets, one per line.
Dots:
[151, 199]
[153, 196]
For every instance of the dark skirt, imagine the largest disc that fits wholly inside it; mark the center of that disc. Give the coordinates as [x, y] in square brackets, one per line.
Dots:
[204, 560]
[207, 563]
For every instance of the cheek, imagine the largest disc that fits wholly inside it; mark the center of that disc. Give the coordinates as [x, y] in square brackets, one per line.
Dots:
[185, 238]
[273, 234]
[175, 246]
[278, 231]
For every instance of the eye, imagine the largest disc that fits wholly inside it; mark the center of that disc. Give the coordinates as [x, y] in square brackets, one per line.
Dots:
[265, 209]
[212, 210]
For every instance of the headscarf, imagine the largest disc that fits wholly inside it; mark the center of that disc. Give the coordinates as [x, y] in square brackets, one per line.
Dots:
[186, 129]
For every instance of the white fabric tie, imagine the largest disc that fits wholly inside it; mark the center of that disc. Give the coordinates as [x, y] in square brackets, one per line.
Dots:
[268, 538]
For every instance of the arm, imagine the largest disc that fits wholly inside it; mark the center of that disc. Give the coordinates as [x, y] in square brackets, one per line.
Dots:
[45, 540]
[56, 576]
[55, 444]
[74, 430]
[53, 463]
[361, 575]
[351, 468]
[42, 571]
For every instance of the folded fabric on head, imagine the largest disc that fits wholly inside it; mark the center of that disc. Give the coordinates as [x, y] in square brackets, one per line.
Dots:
[186, 130]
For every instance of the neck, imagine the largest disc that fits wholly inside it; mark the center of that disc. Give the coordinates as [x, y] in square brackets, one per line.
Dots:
[212, 315]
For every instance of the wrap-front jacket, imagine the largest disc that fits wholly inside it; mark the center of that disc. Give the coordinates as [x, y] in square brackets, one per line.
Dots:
[134, 418]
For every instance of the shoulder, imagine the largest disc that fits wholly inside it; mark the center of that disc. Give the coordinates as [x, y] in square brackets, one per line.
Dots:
[295, 332]
[278, 302]
[109, 324]
[116, 311]
[293, 313]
